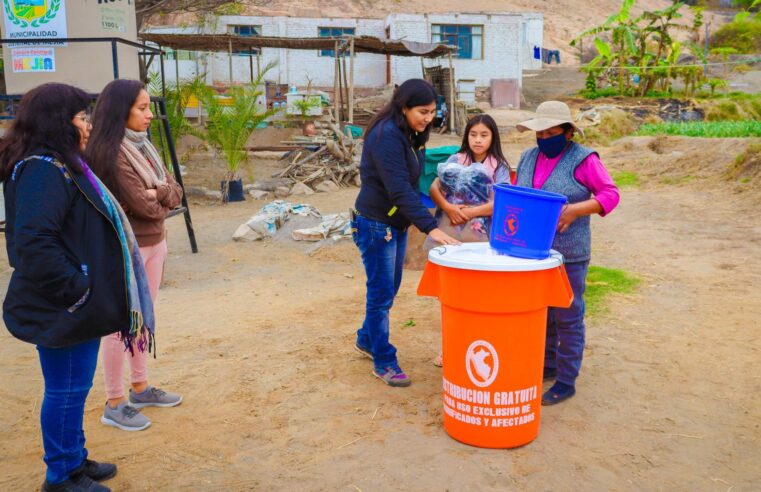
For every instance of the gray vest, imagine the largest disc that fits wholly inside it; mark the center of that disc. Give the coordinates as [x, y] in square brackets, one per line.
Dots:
[576, 242]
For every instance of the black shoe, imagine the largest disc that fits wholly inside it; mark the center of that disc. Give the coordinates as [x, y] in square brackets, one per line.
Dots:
[87, 484]
[67, 486]
[98, 471]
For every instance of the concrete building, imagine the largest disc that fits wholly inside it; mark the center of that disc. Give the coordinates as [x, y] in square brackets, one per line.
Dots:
[490, 46]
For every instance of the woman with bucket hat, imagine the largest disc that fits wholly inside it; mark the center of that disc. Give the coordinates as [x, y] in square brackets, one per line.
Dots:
[560, 165]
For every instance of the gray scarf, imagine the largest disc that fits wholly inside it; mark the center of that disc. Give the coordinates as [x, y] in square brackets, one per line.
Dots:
[144, 158]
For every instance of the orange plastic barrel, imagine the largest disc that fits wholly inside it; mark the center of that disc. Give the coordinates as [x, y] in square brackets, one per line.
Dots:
[493, 317]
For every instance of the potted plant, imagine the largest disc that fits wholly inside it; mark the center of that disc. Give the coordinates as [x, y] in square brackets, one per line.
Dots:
[305, 105]
[230, 122]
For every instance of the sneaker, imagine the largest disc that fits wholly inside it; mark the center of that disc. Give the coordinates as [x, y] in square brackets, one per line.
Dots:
[364, 351]
[87, 484]
[76, 483]
[153, 397]
[98, 471]
[392, 376]
[125, 417]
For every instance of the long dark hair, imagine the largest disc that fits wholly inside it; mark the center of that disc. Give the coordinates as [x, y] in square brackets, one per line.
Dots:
[413, 92]
[109, 122]
[495, 149]
[43, 122]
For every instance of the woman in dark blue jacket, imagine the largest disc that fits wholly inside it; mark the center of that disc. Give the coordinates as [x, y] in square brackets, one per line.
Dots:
[68, 285]
[388, 202]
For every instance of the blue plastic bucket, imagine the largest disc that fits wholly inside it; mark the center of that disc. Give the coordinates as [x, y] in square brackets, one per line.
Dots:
[524, 221]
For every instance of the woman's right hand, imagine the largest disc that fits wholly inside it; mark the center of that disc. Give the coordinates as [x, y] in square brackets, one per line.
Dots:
[456, 214]
[441, 237]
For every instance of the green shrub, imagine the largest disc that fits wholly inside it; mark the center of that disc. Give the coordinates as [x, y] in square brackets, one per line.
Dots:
[742, 34]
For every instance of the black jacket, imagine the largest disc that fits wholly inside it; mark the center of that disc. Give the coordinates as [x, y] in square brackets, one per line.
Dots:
[390, 170]
[68, 283]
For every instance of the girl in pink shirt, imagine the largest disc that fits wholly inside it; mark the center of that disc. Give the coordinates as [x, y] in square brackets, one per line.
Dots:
[463, 189]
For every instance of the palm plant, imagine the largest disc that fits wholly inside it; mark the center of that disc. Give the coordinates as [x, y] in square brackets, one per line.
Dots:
[231, 122]
[176, 96]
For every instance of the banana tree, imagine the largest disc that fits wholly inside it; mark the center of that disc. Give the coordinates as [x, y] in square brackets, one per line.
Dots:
[600, 65]
[658, 27]
[623, 33]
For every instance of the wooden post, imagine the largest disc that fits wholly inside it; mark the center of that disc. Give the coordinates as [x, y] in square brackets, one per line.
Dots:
[251, 65]
[351, 81]
[453, 109]
[335, 84]
[346, 83]
[340, 88]
[230, 58]
[258, 62]
[177, 68]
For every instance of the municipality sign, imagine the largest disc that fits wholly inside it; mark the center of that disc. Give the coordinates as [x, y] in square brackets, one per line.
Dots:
[25, 19]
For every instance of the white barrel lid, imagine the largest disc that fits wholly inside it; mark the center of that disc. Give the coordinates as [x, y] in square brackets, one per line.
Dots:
[480, 256]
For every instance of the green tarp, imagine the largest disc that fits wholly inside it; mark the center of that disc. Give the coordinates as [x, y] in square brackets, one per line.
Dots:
[433, 157]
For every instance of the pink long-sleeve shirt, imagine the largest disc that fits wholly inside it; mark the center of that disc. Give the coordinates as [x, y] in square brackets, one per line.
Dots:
[591, 173]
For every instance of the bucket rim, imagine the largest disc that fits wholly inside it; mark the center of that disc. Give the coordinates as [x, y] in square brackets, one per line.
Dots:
[531, 192]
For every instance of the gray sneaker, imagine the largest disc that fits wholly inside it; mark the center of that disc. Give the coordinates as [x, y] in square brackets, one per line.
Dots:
[153, 397]
[125, 417]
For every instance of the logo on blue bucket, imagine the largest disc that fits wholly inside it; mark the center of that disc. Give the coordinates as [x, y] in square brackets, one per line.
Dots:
[511, 224]
[524, 221]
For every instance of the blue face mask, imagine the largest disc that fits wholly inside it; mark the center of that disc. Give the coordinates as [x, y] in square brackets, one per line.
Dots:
[552, 146]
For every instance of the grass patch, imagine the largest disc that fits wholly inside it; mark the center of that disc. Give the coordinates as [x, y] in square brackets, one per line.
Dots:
[602, 282]
[625, 179]
[677, 180]
[732, 107]
[708, 129]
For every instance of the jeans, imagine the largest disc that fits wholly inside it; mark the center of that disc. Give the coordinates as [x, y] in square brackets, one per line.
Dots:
[565, 329]
[382, 248]
[68, 374]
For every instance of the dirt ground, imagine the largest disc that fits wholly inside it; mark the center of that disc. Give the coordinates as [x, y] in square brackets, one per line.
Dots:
[258, 339]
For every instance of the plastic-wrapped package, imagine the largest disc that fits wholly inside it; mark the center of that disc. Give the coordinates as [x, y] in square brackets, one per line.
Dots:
[464, 185]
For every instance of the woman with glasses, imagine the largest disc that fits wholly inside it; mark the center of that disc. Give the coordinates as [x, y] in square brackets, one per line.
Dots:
[77, 272]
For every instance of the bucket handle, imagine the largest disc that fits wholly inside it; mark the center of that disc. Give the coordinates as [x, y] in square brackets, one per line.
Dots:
[441, 250]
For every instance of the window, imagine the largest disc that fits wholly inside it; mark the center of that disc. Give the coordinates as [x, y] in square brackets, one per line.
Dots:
[468, 39]
[334, 32]
[180, 54]
[245, 31]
